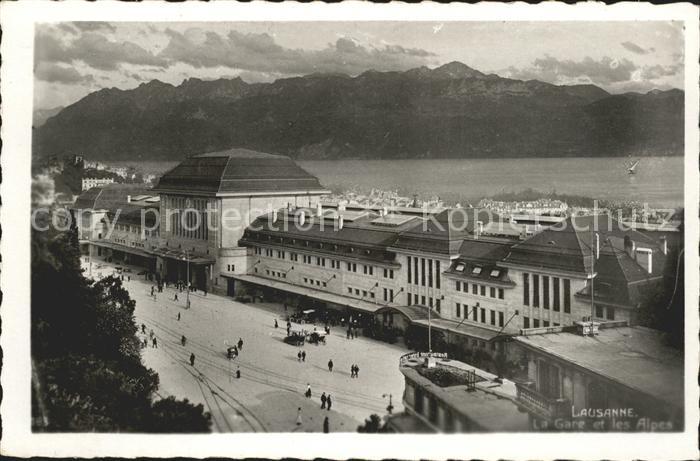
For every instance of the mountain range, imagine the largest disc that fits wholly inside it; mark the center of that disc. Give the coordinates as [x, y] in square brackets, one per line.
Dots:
[450, 111]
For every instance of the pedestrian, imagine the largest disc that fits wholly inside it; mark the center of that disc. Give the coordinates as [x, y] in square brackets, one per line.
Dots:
[175, 298]
[155, 343]
[229, 353]
[276, 323]
[329, 402]
[145, 343]
[152, 290]
[347, 335]
[192, 359]
[308, 391]
[357, 371]
[240, 343]
[303, 356]
[238, 372]
[323, 401]
[178, 314]
[151, 333]
[288, 330]
[183, 340]
[330, 365]
[143, 328]
[352, 371]
[326, 425]
[299, 416]
[129, 278]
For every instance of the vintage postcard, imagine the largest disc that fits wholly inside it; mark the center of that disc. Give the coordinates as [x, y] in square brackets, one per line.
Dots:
[350, 231]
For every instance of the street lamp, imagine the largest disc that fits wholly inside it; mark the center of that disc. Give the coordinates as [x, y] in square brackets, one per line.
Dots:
[187, 259]
[390, 407]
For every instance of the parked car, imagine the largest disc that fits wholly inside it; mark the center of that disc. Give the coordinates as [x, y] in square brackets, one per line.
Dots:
[295, 338]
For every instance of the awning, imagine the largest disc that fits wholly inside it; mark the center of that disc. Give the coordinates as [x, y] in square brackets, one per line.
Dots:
[181, 255]
[125, 249]
[358, 304]
[463, 329]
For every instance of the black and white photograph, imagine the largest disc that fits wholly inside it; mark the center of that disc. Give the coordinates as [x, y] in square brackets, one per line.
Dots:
[352, 226]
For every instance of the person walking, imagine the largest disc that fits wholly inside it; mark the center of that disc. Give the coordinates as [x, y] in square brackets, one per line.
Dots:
[330, 365]
[175, 297]
[352, 370]
[151, 333]
[323, 401]
[143, 328]
[152, 290]
[240, 343]
[299, 416]
[357, 371]
[308, 391]
[329, 402]
[155, 343]
[299, 356]
[326, 425]
[347, 335]
[178, 314]
[303, 356]
[276, 323]
[183, 340]
[238, 372]
[192, 359]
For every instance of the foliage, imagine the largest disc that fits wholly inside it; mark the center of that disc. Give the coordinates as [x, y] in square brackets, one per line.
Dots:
[372, 425]
[663, 305]
[86, 353]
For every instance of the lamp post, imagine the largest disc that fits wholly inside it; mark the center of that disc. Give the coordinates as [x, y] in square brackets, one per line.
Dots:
[390, 407]
[187, 259]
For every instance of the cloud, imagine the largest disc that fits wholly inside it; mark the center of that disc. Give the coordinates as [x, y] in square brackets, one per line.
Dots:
[93, 49]
[550, 69]
[260, 53]
[49, 72]
[88, 26]
[658, 71]
[634, 48]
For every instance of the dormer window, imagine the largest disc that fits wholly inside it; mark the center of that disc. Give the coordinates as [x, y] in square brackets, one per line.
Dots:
[495, 273]
[476, 270]
[460, 267]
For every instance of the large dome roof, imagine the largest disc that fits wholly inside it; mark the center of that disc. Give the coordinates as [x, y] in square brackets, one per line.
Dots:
[237, 171]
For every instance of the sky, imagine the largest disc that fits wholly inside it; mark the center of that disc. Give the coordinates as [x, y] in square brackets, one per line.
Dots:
[73, 59]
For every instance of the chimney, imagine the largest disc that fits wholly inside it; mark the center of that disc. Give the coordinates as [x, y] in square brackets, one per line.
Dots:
[128, 199]
[648, 252]
[664, 245]
[629, 246]
[340, 222]
[385, 211]
[302, 218]
[319, 209]
[479, 229]
[274, 216]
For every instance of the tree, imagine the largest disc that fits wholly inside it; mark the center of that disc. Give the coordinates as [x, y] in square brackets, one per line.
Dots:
[85, 351]
[373, 424]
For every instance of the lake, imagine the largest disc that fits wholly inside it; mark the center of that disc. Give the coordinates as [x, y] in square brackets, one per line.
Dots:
[659, 180]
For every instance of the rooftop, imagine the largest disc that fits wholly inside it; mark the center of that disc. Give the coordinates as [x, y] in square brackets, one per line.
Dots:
[635, 357]
[238, 171]
[110, 196]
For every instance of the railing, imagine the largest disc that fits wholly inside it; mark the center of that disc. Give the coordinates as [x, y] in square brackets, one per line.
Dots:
[539, 404]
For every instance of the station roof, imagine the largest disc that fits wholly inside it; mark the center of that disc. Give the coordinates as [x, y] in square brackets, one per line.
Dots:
[633, 356]
[110, 196]
[237, 171]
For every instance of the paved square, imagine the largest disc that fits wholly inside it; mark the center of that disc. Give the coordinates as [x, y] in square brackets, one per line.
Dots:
[273, 381]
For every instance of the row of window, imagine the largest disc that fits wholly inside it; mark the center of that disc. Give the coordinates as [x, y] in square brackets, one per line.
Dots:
[607, 313]
[478, 314]
[388, 294]
[361, 293]
[480, 290]
[315, 282]
[423, 272]
[188, 217]
[421, 300]
[321, 261]
[231, 267]
[556, 290]
[536, 323]
[282, 275]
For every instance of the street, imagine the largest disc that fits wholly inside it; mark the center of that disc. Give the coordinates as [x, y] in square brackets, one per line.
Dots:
[273, 381]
